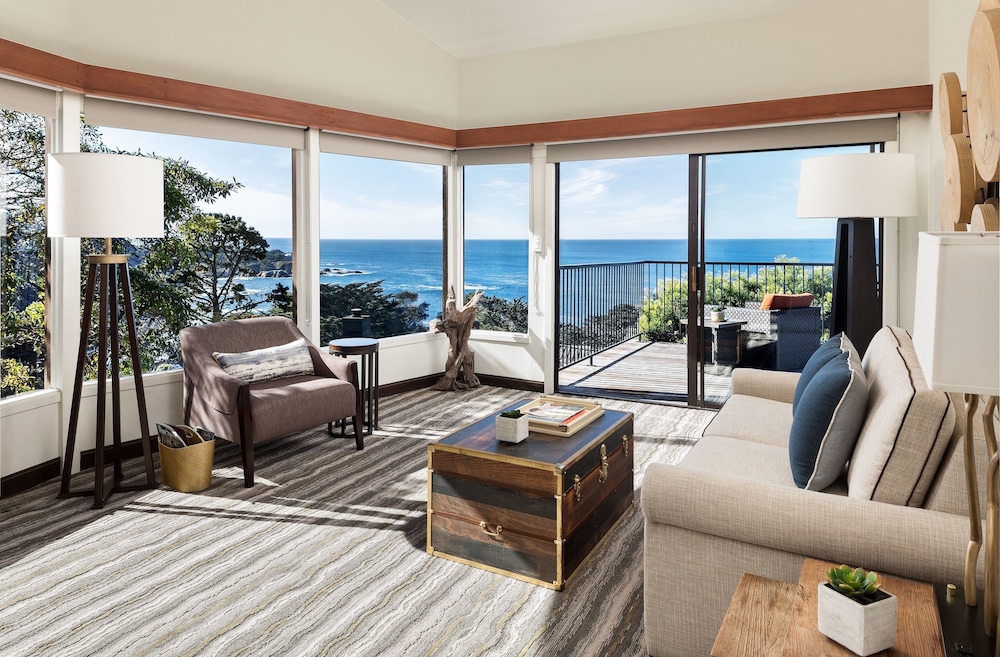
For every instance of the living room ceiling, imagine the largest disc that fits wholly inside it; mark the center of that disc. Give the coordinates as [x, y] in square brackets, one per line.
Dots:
[474, 28]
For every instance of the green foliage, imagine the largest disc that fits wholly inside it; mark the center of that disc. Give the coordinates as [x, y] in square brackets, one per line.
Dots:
[203, 261]
[514, 414]
[498, 314]
[391, 314]
[22, 252]
[666, 305]
[662, 310]
[281, 301]
[854, 582]
[15, 377]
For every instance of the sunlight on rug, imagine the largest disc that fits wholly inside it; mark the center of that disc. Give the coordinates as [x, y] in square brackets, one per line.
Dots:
[325, 556]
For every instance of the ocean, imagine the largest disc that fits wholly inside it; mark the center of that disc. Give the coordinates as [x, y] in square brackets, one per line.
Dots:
[500, 267]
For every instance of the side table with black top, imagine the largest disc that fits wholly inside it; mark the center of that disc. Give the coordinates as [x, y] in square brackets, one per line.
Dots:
[367, 349]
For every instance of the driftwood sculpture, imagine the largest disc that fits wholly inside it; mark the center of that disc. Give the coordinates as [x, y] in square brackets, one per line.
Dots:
[456, 323]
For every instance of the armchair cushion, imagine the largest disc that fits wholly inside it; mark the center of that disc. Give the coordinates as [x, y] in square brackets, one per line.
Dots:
[292, 359]
[826, 423]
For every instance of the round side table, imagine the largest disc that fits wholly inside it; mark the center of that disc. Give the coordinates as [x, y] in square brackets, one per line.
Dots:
[367, 348]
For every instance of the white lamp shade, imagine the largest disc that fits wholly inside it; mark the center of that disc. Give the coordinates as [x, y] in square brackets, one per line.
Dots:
[858, 185]
[956, 324]
[104, 195]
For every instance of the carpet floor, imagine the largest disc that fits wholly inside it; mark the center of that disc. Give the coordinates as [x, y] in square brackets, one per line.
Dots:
[326, 555]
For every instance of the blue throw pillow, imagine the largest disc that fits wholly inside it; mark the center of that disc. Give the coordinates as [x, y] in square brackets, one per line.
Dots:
[826, 352]
[826, 425]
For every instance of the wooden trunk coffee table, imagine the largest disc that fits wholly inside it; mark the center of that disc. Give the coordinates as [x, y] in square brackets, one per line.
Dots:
[532, 510]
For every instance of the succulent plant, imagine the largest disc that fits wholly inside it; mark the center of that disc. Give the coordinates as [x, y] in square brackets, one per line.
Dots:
[512, 414]
[854, 582]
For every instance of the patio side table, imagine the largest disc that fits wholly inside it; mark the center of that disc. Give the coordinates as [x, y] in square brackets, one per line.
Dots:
[367, 349]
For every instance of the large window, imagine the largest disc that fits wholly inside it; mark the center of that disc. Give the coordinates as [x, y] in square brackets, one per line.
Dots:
[380, 243]
[495, 202]
[22, 301]
[226, 253]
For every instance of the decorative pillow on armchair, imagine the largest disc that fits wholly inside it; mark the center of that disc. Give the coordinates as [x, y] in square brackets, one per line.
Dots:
[828, 417]
[290, 359]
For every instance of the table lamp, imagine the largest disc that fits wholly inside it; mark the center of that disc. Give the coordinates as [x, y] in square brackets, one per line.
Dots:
[855, 188]
[106, 195]
[956, 334]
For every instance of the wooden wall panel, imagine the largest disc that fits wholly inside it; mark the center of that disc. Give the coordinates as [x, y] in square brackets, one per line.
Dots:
[27, 63]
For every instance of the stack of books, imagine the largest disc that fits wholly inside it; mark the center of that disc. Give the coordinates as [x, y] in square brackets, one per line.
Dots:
[560, 416]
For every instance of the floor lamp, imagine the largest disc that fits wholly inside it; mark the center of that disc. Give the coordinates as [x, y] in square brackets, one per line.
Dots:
[106, 195]
[854, 188]
[956, 334]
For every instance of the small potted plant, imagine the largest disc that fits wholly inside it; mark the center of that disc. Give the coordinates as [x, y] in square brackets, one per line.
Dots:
[854, 611]
[719, 314]
[512, 426]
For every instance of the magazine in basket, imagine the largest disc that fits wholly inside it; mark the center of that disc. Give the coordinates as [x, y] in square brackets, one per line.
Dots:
[559, 415]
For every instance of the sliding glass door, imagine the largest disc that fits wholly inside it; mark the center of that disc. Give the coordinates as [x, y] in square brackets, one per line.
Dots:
[665, 268]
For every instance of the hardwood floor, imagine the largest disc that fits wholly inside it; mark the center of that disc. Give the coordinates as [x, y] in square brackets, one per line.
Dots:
[652, 370]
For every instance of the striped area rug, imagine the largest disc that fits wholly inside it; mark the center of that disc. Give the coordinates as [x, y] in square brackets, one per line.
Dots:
[325, 556]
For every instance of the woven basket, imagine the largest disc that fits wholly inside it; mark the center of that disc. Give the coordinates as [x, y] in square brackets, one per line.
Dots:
[188, 469]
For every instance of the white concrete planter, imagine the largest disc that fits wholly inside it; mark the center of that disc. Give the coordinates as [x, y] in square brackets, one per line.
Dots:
[512, 430]
[862, 629]
[718, 316]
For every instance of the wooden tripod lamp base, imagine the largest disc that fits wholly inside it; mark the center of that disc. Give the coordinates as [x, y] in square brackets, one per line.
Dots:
[104, 276]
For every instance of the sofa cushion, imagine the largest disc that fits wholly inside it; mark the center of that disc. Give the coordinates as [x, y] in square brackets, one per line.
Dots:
[753, 419]
[827, 420]
[740, 460]
[785, 301]
[826, 352]
[907, 429]
[292, 359]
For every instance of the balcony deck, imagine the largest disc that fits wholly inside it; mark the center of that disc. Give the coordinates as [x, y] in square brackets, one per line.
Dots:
[652, 370]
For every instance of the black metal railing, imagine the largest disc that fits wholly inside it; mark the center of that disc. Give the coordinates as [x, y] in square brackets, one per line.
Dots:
[605, 304]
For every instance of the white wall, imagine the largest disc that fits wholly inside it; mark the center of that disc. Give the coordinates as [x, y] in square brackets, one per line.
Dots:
[851, 46]
[349, 54]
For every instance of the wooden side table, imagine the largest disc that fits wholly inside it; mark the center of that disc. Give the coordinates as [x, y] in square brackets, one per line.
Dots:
[367, 348]
[777, 619]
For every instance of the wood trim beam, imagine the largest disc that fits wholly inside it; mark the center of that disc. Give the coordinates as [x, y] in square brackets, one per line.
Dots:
[790, 110]
[28, 63]
[40, 66]
[31, 64]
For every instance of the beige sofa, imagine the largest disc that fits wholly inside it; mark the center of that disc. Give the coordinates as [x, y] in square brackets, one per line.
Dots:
[731, 506]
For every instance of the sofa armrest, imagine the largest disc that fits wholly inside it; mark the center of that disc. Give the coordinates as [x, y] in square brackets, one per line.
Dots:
[777, 386]
[907, 541]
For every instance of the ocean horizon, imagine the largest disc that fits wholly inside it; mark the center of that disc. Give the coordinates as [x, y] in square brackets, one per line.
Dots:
[500, 267]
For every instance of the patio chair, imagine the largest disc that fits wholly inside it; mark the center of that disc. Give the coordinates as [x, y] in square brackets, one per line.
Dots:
[781, 336]
[254, 380]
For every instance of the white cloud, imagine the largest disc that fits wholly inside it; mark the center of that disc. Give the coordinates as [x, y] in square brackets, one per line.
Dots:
[269, 212]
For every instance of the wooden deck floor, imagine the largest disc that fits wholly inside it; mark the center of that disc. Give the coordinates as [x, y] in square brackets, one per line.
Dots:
[654, 369]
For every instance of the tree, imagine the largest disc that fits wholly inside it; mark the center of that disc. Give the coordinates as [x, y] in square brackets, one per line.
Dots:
[205, 260]
[160, 305]
[22, 186]
[391, 314]
[281, 301]
[499, 314]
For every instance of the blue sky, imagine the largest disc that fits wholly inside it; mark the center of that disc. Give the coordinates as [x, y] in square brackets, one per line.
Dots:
[748, 195]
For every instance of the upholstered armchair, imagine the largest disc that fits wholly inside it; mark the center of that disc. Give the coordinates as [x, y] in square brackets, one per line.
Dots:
[254, 380]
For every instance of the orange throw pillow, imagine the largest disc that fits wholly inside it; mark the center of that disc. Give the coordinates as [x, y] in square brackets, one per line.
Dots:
[785, 301]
